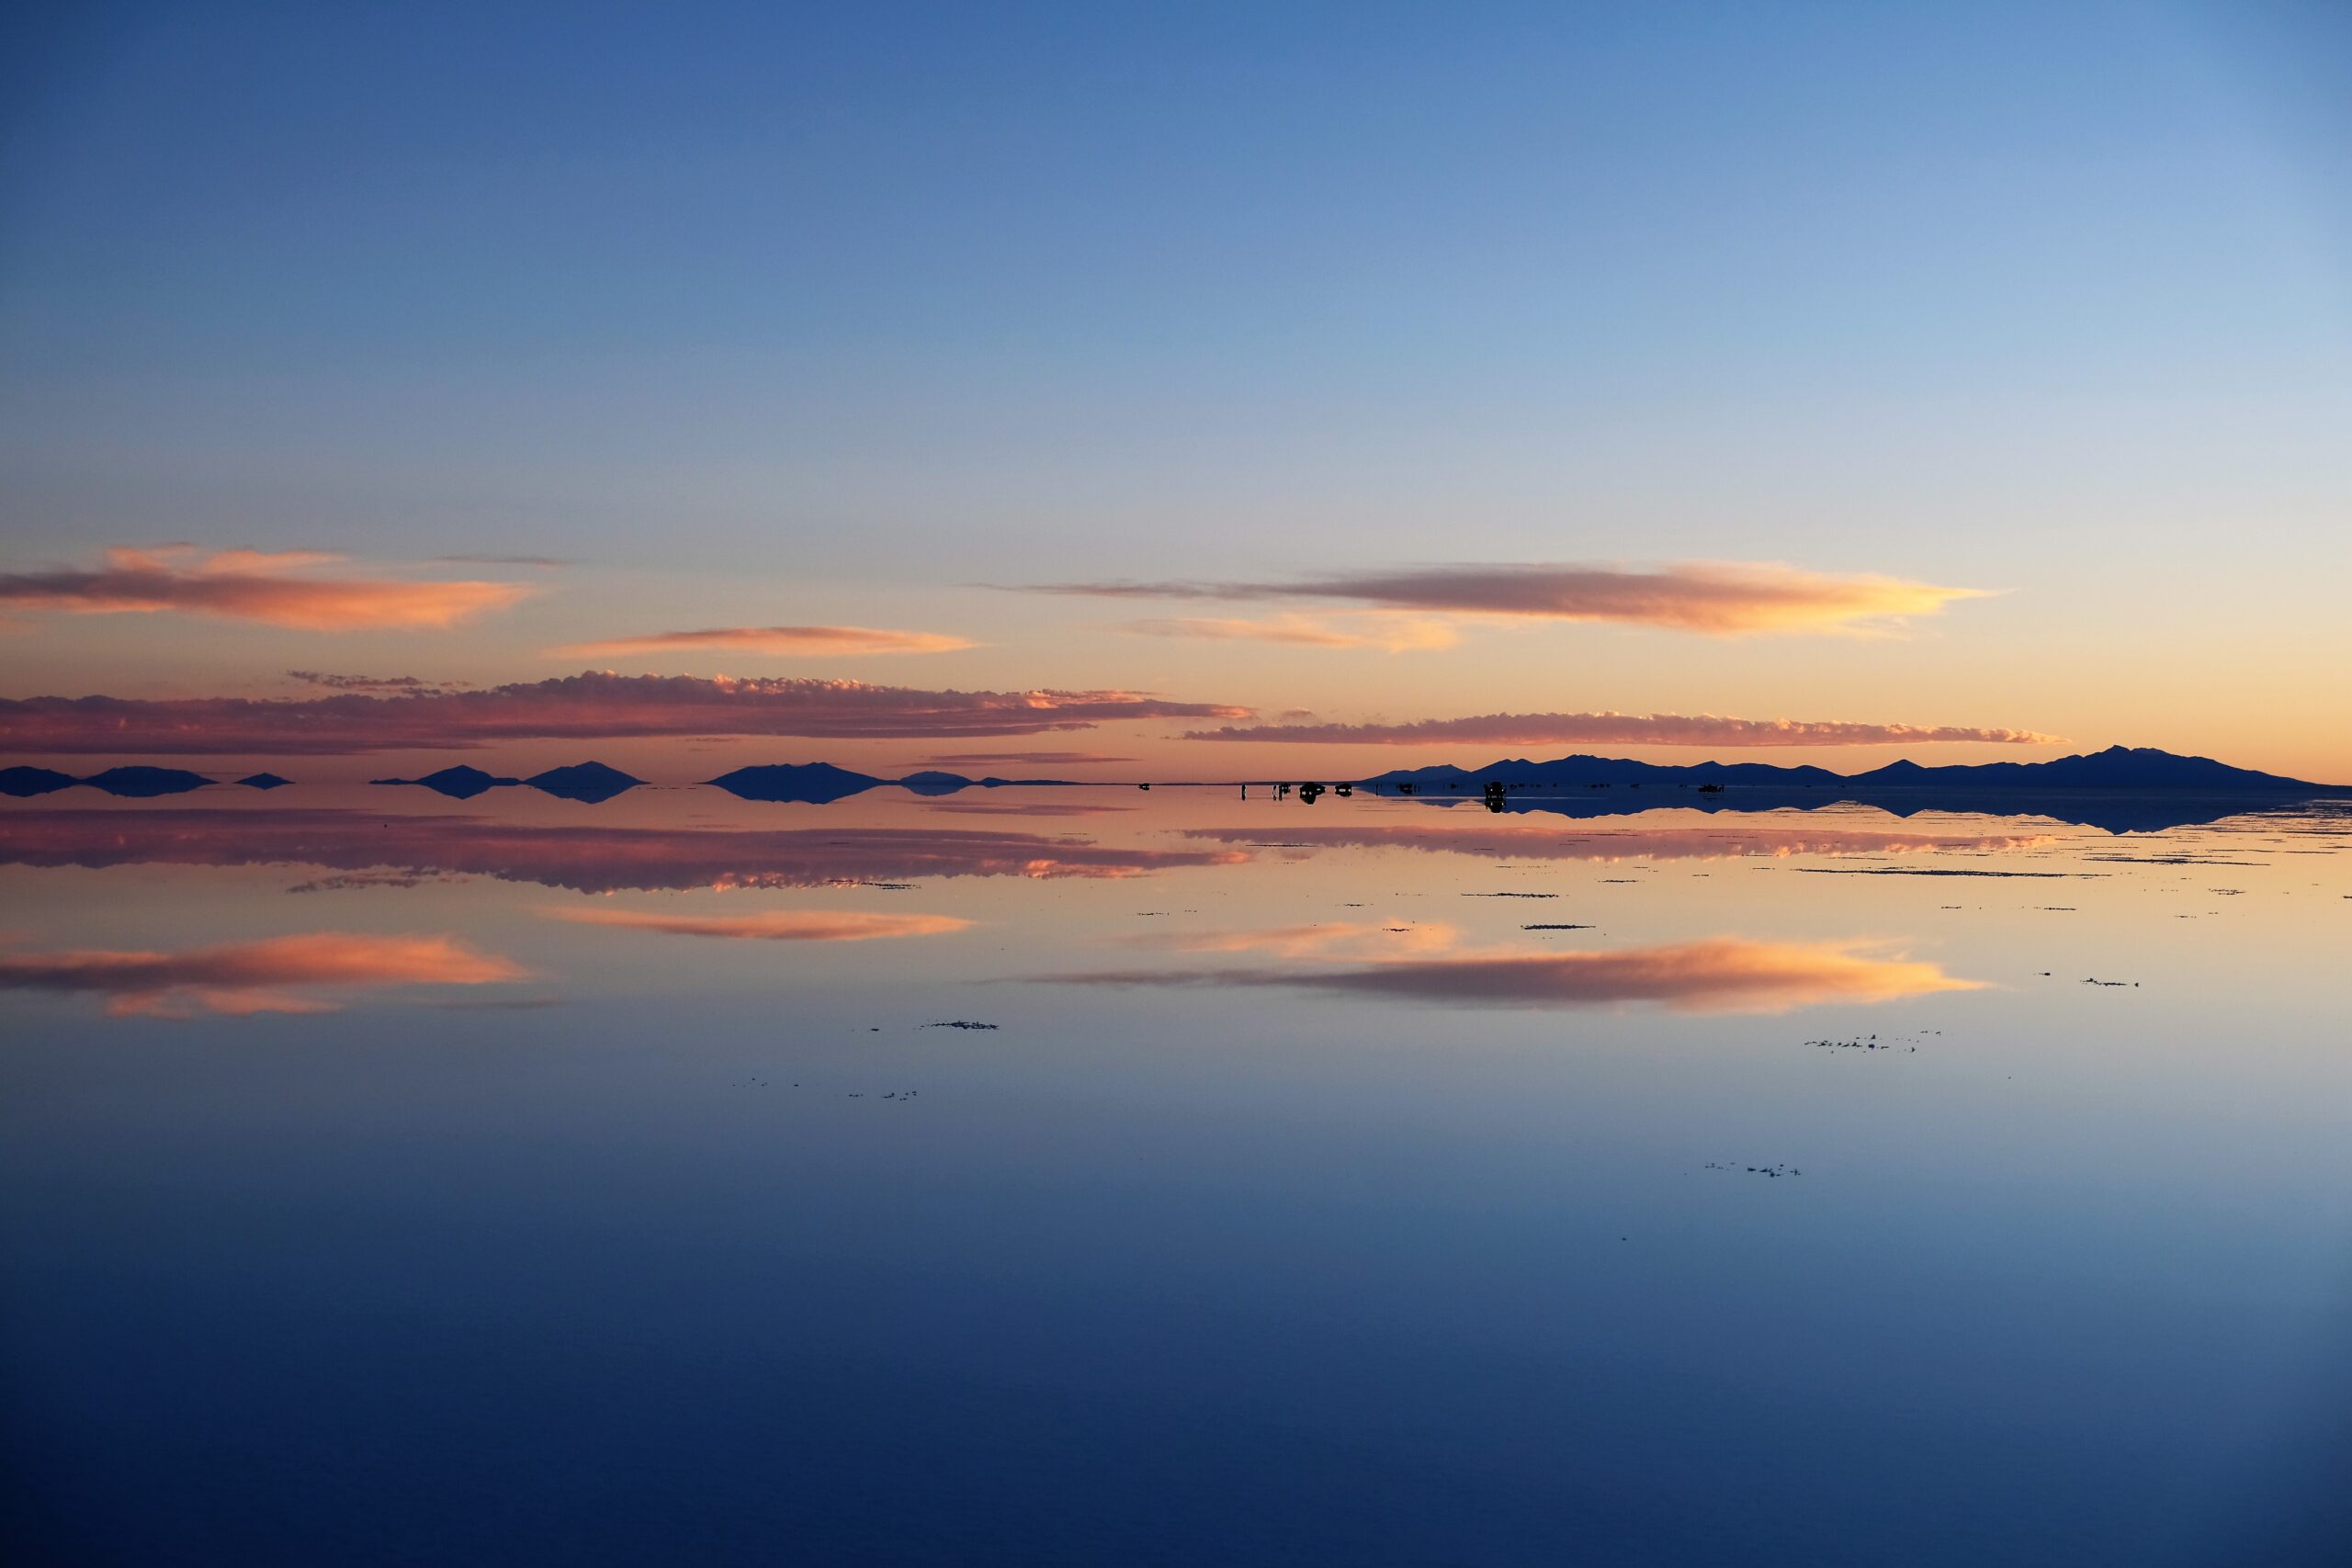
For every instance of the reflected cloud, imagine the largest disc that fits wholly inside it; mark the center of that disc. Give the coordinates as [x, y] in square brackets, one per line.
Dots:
[773, 925]
[1331, 939]
[1719, 598]
[804, 642]
[315, 973]
[1513, 842]
[586, 859]
[274, 589]
[1618, 730]
[1724, 974]
[590, 706]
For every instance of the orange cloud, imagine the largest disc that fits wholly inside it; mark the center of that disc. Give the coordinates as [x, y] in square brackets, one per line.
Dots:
[587, 707]
[804, 642]
[1724, 974]
[1619, 729]
[254, 585]
[285, 974]
[1720, 598]
[1395, 634]
[774, 925]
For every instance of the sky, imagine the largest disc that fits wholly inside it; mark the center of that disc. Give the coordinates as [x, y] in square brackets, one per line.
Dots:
[1082, 389]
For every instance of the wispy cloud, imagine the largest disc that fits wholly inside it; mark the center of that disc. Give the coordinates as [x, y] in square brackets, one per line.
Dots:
[315, 973]
[1619, 729]
[1720, 598]
[803, 642]
[278, 588]
[772, 925]
[588, 706]
[1395, 634]
[1724, 974]
[1034, 759]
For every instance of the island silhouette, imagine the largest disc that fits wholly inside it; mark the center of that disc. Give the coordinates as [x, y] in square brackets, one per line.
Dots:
[2122, 789]
[136, 781]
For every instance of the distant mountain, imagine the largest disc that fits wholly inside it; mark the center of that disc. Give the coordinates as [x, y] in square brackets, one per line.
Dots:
[593, 782]
[264, 781]
[935, 782]
[144, 783]
[2117, 770]
[811, 782]
[462, 783]
[22, 782]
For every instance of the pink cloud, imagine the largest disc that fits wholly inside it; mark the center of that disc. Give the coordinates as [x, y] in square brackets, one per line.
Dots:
[588, 706]
[314, 973]
[1714, 597]
[1619, 729]
[770, 925]
[274, 589]
[804, 642]
[1722, 975]
[1394, 634]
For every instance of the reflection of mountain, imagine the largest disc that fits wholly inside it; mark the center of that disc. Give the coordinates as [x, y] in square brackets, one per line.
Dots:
[590, 781]
[591, 860]
[1510, 839]
[264, 781]
[460, 783]
[2120, 789]
[811, 782]
[2150, 812]
[133, 783]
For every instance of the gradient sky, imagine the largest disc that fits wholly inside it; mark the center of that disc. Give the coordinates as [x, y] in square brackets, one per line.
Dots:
[884, 318]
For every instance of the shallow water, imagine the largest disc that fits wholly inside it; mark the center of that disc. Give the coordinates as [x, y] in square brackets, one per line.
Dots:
[386, 1178]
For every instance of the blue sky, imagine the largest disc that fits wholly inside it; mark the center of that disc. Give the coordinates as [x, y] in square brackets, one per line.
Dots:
[872, 303]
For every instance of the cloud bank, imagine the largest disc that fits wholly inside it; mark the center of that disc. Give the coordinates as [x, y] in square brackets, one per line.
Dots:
[803, 642]
[1619, 729]
[1720, 598]
[274, 589]
[589, 706]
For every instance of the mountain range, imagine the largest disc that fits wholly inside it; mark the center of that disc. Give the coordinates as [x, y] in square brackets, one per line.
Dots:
[2117, 770]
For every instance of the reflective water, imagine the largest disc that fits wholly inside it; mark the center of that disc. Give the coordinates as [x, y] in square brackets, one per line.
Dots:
[1087, 1176]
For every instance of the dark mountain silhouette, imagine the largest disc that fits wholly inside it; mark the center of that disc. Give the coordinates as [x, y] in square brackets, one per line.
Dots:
[22, 782]
[2117, 769]
[934, 782]
[144, 783]
[590, 781]
[264, 781]
[2122, 789]
[460, 783]
[811, 782]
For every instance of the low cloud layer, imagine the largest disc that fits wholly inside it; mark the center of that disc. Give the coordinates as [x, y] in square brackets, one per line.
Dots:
[770, 925]
[1619, 729]
[800, 642]
[1724, 974]
[589, 706]
[281, 589]
[315, 973]
[395, 851]
[1720, 598]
